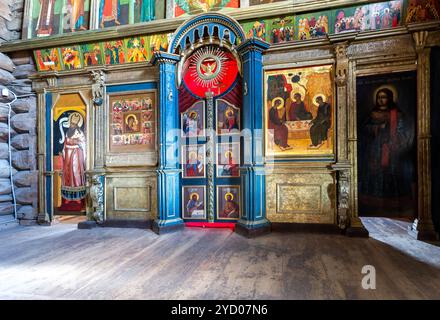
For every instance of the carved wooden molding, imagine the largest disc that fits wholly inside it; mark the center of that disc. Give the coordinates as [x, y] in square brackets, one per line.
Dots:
[341, 64]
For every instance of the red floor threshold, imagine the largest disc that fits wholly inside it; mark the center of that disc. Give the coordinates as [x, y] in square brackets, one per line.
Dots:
[228, 225]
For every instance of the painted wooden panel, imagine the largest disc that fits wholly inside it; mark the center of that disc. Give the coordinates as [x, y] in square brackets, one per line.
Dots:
[131, 197]
[300, 196]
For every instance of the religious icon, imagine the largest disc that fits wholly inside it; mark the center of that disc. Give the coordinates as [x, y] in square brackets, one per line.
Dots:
[299, 116]
[159, 42]
[375, 16]
[48, 59]
[422, 10]
[257, 2]
[193, 161]
[387, 171]
[193, 120]
[228, 117]
[145, 9]
[191, 7]
[255, 29]
[114, 52]
[277, 123]
[132, 122]
[75, 13]
[45, 22]
[282, 29]
[109, 11]
[136, 49]
[69, 155]
[92, 54]
[228, 202]
[71, 58]
[321, 123]
[228, 160]
[193, 206]
[313, 25]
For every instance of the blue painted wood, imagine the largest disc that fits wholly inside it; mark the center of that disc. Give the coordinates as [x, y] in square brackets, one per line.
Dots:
[253, 179]
[211, 21]
[49, 154]
[169, 212]
[132, 87]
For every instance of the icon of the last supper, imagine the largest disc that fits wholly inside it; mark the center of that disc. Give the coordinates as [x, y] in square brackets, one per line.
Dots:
[299, 111]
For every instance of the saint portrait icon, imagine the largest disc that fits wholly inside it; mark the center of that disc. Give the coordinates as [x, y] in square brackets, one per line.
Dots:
[193, 206]
[228, 202]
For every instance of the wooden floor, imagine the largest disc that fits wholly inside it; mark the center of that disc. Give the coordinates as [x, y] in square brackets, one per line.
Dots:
[62, 262]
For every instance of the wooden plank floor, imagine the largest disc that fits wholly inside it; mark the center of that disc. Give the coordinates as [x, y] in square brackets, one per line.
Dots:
[62, 262]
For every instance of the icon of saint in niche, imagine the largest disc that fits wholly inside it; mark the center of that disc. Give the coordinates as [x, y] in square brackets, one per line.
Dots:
[230, 122]
[230, 208]
[194, 205]
[191, 124]
[194, 166]
[131, 124]
[385, 149]
[230, 169]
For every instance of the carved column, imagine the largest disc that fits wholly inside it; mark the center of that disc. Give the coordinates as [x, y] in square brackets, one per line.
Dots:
[43, 215]
[45, 101]
[96, 178]
[423, 228]
[253, 180]
[347, 218]
[168, 182]
[210, 151]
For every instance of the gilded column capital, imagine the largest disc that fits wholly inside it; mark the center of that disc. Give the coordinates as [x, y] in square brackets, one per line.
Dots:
[420, 39]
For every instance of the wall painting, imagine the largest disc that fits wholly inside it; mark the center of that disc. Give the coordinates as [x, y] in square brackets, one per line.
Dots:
[69, 154]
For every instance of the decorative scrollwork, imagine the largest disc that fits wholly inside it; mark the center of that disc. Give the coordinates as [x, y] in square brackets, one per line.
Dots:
[98, 87]
[341, 64]
[210, 153]
[96, 193]
[343, 198]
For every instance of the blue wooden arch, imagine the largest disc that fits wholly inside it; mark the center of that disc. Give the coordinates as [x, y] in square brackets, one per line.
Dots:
[207, 26]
